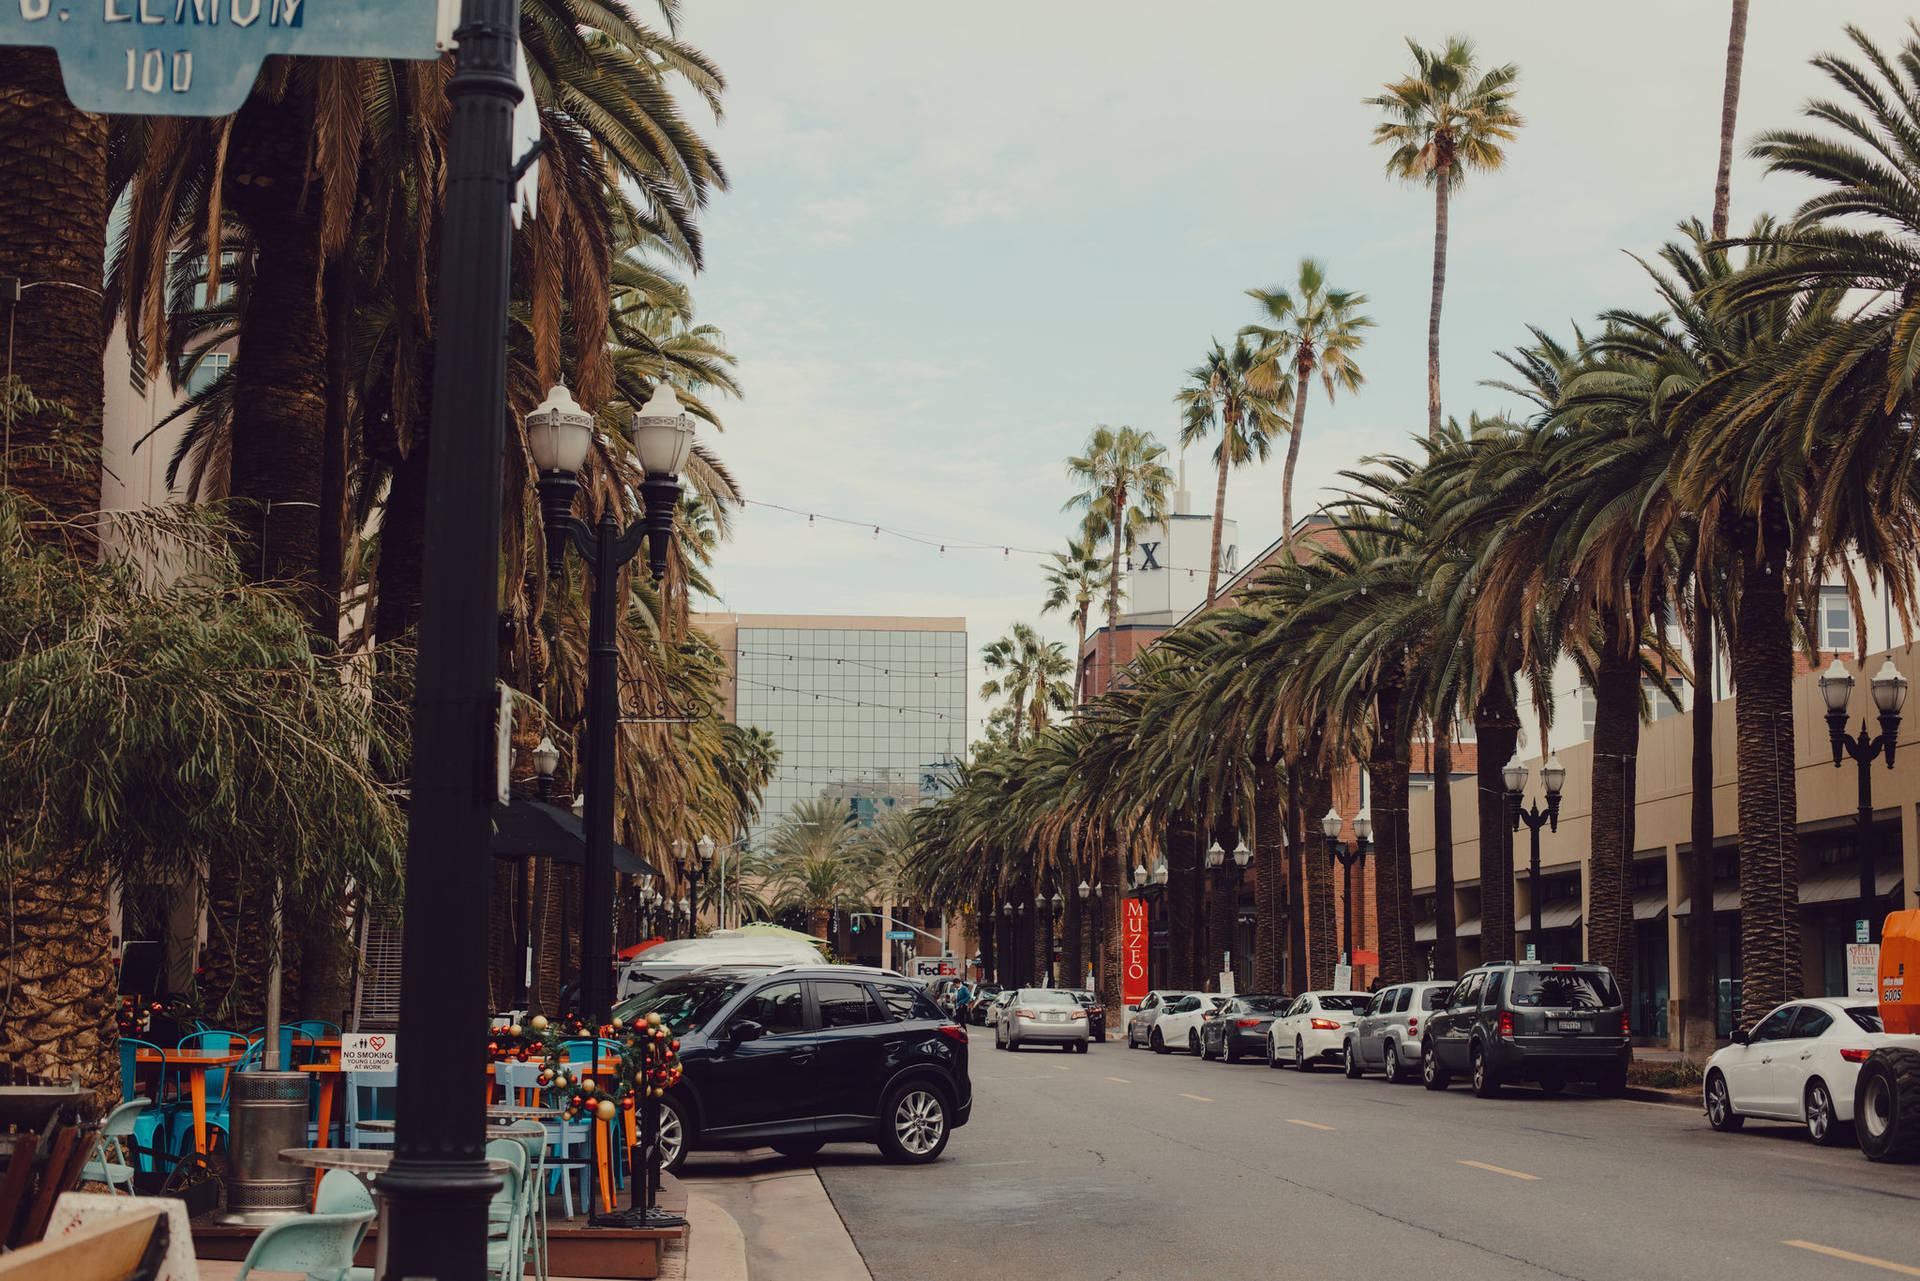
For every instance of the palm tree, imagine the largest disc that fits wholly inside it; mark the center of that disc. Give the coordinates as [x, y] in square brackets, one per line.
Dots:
[1030, 677]
[1126, 492]
[1442, 121]
[1307, 326]
[1729, 105]
[1223, 389]
[1074, 578]
[815, 860]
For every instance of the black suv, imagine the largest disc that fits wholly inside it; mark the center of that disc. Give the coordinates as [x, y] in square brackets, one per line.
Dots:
[797, 1057]
[1529, 1021]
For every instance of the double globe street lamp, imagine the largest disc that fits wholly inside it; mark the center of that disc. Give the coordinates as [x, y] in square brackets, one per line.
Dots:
[560, 435]
[1889, 696]
[1346, 856]
[1553, 777]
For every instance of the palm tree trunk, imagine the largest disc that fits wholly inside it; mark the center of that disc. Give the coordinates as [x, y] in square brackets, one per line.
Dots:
[1079, 657]
[1698, 1031]
[1269, 875]
[1496, 725]
[1762, 654]
[1298, 976]
[1073, 968]
[1111, 878]
[1323, 931]
[1729, 105]
[1446, 938]
[1616, 749]
[1387, 766]
[1219, 519]
[1182, 901]
[1433, 311]
[1113, 585]
[1303, 371]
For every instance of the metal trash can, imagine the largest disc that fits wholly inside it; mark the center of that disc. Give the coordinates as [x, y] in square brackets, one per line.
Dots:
[268, 1112]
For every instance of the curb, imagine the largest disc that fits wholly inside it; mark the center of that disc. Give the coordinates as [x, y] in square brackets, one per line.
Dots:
[1671, 1098]
[716, 1247]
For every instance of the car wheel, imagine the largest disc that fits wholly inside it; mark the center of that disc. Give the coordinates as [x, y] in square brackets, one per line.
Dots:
[798, 1149]
[1193, 1044]
[1079, 1047]
[1300, 1063]
[1486, 1083]
[1273, 1054]
[1886, 1105]
[913, 1123]
[675, 1136]
[1432, 1074]
[1350, 1061]
[1206, 1051]
[1227, 1053]
[1012, 1045]
[1552, 1084]
[1822, 1127]
[1394, 1075]
[1159, 1045]
[1612, 1084]
[1720, 1113]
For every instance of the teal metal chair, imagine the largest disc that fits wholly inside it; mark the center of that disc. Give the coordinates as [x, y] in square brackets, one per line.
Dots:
[342, 1193]
[507, 1237]
[320, 1245]
[219, 1108]
[533, 1136]
[150, 1139]
[109, 1163]
[370, 1097]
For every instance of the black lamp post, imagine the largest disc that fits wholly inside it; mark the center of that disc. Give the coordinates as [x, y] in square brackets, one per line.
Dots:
[1347, 855]
[546, 759]
[1149, 886]
[693, 873]
[1553, 776]
[560, 435]
[1889, 696]
[1044, 908]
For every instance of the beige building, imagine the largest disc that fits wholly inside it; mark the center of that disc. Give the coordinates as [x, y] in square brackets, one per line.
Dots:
[1827, 801]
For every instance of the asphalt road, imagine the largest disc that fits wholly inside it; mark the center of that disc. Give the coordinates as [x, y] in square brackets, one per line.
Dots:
[1127, 1164]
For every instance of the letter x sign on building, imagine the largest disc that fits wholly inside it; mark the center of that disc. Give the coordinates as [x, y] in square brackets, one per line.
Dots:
[199, 57]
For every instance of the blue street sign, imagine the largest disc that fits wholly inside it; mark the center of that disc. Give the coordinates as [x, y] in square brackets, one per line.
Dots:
[198, 57]
[903, 935]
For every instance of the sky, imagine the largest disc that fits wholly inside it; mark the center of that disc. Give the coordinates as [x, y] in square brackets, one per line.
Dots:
[958, 237]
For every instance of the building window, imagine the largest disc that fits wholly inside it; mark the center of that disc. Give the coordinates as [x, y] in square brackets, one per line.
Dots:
[1660, 705]
[1589, 707]
[1836, 620]
[211, 366]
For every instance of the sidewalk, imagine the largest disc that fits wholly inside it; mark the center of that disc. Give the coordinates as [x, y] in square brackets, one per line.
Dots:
[787, 1224]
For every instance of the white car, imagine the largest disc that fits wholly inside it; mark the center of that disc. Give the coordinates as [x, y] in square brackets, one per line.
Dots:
[1142, 1017]
[1797, 1064]
[1178, 1026]
[1000, 1002]
[1314, 1027]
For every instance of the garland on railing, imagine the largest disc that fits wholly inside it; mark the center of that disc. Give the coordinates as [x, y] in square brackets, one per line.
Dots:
[649, 1062]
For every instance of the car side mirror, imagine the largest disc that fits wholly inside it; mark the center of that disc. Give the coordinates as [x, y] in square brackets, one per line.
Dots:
[745, 1030]
[1740, 1036]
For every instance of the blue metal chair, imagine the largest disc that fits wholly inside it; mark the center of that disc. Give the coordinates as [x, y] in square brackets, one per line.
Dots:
[109, 1163]
[342, 1193]
[581, 1052]
[219, 1110]
[150, 1128]
[507, 1241]
[370, 1097]
[320, 1245]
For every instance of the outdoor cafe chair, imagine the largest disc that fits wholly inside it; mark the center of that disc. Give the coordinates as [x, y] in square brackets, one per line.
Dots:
[520, 1086]
[109, 1163]
[219, 1109]
[533, 1136]
[507, 1249]
[149, 1138]
[370, 1097]
[320, 1245]
[612, 1172]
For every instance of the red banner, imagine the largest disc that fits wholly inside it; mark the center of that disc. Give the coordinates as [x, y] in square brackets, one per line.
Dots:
[1133, 950]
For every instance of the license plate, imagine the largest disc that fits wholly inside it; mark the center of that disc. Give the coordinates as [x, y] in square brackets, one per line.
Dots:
[1570, 1025]
[1053, 1018]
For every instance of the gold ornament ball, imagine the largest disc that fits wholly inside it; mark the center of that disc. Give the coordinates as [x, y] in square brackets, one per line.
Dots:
[514, 1029]
[615, 1025]
[653, 1020]
[605, 1110]
[539, 1022]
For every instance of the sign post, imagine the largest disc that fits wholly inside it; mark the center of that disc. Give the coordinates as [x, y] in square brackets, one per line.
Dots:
[1863, 970]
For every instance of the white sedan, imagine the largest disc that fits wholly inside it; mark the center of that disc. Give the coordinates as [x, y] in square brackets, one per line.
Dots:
[1797, 1064]
[1314, 1027]
[1179, 1024]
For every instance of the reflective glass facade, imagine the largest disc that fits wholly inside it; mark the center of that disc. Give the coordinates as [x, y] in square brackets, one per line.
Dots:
[866, 714]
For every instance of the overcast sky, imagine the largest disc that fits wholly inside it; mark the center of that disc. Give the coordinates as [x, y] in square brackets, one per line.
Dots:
[960, 236]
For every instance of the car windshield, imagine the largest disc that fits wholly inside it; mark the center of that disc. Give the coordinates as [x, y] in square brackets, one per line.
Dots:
[1565, 989]
[1263, 1004]
[1345, 1001]
[1867, 1016]
[1044, 996]
[683, 1004]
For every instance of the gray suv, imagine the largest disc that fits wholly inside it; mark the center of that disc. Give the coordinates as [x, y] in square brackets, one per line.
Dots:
[1386, 1038]
[1529, 1021]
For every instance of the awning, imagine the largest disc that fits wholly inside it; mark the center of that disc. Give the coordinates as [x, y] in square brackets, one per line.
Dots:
[1840, 882]
[1726, 898]
[1650, 905]
[526, 828]
[1558, 914]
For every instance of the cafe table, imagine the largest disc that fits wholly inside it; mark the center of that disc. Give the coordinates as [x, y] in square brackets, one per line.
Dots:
[332, 1090]
[359, 1161]
[196, 1064]
[493, 1131]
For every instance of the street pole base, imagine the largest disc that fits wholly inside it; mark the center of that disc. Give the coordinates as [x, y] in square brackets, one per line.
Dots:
[637, 1219]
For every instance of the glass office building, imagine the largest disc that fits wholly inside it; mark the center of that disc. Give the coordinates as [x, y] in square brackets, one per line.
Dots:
[869, 710]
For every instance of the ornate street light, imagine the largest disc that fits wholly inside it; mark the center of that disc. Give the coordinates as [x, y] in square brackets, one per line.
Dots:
[1215, 855]
[1347, 855]
[1889, 690]
[1241, 854]
[1083, 891]
[546, 759]
[1160, 870]
[1553, 776]
[1139, 875]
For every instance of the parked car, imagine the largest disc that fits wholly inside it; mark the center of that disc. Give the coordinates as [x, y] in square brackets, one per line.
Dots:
[797, 1057]
[976, 1011]
[1529, 1021]
[1142, 1017]
[1096, 1012]
[1240, 1026]
[683, 956]
[1313, 1028]
[1387, 1034]
[1799, 1064]
[1178, 1027]
[1041, 1016]
[998, 1006]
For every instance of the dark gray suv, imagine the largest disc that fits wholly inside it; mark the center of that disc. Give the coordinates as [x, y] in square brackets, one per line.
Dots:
[1529, 1021]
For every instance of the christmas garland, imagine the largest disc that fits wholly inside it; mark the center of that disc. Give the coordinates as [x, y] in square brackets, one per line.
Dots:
[649, 1062]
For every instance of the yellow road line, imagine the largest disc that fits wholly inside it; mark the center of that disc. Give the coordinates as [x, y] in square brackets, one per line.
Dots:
[1903, 1269]
[1062, 1067]
[1512, 1174]
[1311, 1125]
[1197, 1098]
[1121, 1079]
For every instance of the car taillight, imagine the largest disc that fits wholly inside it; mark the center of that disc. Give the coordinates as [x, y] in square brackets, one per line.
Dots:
[1323, 1025]
[1626, 1024]
[1506, 1024]
[1246, 1022]
[1855, 1056]
[1079, 1014]
[955, 1031]
[1413, 1026]
[1023, 1014]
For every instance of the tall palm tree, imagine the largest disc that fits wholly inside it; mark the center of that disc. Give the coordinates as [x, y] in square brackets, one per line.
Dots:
[1030, 675]
[1075, 578]
[816, 858]
[1444, 120]
[1729, 107]
[1223, 392]
[1126, 493]
[1303, 328]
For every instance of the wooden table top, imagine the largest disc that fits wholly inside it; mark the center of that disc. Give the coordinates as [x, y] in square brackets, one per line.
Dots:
[190, 1058]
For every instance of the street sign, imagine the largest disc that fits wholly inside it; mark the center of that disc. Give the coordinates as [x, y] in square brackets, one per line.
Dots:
[1343, 976]
[1530, 953]
[1863, 970]
[199, 57]
[1860, 932]
[905, 936]
[367, 1051]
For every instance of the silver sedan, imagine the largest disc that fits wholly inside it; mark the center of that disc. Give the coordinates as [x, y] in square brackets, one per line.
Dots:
[1037, 1015]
